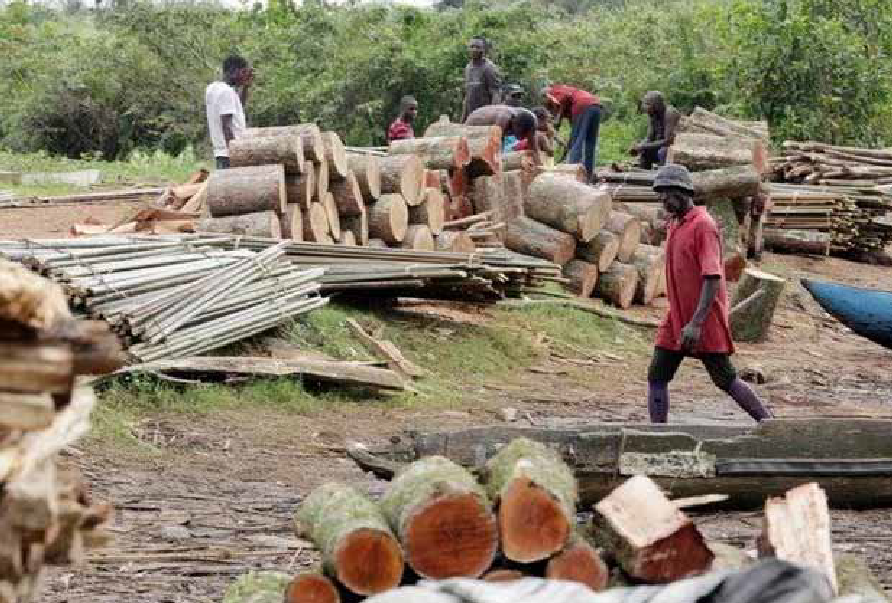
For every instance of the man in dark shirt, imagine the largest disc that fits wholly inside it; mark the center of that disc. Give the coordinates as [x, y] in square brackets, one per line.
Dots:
[401, 128]
[483, 82]
[664, 120]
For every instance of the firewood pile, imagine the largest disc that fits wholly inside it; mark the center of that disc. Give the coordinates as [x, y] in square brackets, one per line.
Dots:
[518, 518]
[46, 515]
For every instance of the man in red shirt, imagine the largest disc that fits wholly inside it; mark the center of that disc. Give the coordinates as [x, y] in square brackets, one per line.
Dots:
[401, 128]
[584, 111]
[697, 323]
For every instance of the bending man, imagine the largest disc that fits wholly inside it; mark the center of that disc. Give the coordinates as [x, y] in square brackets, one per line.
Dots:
[517, 123]
[583, 109]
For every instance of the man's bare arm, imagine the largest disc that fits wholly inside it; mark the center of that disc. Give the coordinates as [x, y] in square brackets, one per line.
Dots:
[693, 331]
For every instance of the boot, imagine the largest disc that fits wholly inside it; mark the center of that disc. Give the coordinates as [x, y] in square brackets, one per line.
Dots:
[658, 401]
[747, 399]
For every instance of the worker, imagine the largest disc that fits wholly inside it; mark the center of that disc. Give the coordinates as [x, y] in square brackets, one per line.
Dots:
[513, 95]
[545, 134]
[226, 107]
[583, 109]
[661, 130]
[517, 123]
[401, 128]
[697, 322]
[483, 82]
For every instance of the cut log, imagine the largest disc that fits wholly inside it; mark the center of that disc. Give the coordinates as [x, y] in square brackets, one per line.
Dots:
[287, 150]
[469, 132]
[618, 284]
[264, 224]
[753, 305]
[649, 537]
[347, 238]
[335, 156]
[514, 191]
[347, 195]
[650, 262]
[332, 215]
[358, 225]
[708, 152]
[583, 277]
[450, 240]
[292, 223]
[503, 575]
[576, 171]
[797, 241]
[443, 518]
[322, 179]
[579, 562]
[403, 174]
[628, 229]
[518, 160]
[535, 494]
[652, 217]
[437, 153]
[301, 189]
[197, 202]
[855, 578]
[600, 251]
[431, 212]
[311, 587]
[257, 587]
[367, 169]
[418, 237]
[246, 190]
[567, 205]
[488, 194]
[311, 138]
[315, 224]
[388, 218]
[485, 157]
[357, 546]
[732, 182]
[729, 128]
[530, 237]
[797, 529]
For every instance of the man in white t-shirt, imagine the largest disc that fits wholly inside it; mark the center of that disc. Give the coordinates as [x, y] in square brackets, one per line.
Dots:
[225, 106]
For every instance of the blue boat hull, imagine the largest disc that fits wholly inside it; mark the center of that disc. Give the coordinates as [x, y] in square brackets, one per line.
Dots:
[866, 311]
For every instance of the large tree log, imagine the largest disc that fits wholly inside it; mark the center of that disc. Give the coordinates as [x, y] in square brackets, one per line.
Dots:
[618, 284]
[246, 190]
[440, 128]
[347, 195]
[651, 539]
[301, 189]
[438, 153]
[310, 587]
[722, 126]
[322, 179]
[628, 229]
[485, 156]
[732, 182]
[600, 251]
[292, 223]
[707, 152]
[567, 205]
[576, 171]
[443, 518]
[583, 277]
[367, 170]
[287, 150]
[579, 562]
[518, 160]
[753, 305]
[797, 241]
[311, 138]
[418, 237]
[488, 194]
[388, 218]
[652, 217]
[264, 224]
[335, 156]
[454, 240]
[353, 537]
[403, 174]
[650, 262]
[514, 191]
[333, 216]
[431, 212]
[530, 237]
[535, 494]
[358, 225]
[315, 224]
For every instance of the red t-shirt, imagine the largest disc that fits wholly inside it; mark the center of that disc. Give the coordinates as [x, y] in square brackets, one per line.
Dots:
[693, 251]
[400, 130]
[572, 100]
[520, 145]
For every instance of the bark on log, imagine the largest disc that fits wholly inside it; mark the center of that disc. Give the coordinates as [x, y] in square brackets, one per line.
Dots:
[418, 237]
[579, 562]
[535, 493]
[367, 169]
[514, 191]
[618, 284]
[347, 238]
[315, 224]
[311, 587]
[650, 538]
[301, 189]
[855, 578]
[628, 229]
[359, 226]
[530, 237]
[292, 223]
[443, 519]
[431, 212]
[357, 546]
[797, 241]
[650, 262]
[583, 277]
[437, 153]
[388, 218]
[311, 138]
[333, 216]
[287, 150]
[503, 575]
[335, 156]
[732, 182]
[488, 194]
[246, 190]
[575, 171]
[264, 224]
[567, 205]
[470, 132]
[722, 126]
[403, 174]
[707, 152]
[347, 195]
[600, 251]
[322, 179]
[750, 317]
[450, 240]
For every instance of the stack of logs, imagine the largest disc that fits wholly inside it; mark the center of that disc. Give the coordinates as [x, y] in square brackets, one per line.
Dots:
[46, 516]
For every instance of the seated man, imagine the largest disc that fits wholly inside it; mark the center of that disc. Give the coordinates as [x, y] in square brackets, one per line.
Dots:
[401, 128]
[517, 123]
[664, 120]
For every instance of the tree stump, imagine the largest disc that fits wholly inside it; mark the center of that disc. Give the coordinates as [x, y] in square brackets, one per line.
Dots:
[367, 170]
[388, 218]
[358, 225]
[335, 156]
[418, 237]
[301, 189]
[535, 495]
[315, 224]
[753, 305]
[708, 152]
[454, 240]
[347, 238]
[287, 150]
[530, 237]
[579, 562]
[311, 138]
[628, 229]
[357, 546]
[567, 205]
[650, 262]
[600, 251]
[347, 195]
[246, 190]
[437, 153]
[431, 212]
[618, 284]
[583, 277]
[322, 180]
[332, 215]
[311, 587]
[292, 223]
[443, 518]
[265, 224]
[404, 175]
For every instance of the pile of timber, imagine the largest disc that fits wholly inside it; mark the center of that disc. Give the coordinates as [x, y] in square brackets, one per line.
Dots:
[46, 515]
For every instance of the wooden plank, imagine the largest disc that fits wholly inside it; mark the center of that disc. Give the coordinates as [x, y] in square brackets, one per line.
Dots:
[395, 359]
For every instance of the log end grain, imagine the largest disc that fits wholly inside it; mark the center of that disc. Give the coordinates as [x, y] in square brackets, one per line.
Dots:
[292, 223]
[334, 217]
[579, 562]
[454, 240]
[419, 238]
[322, 180]
[389, 218]
[301, 189]
[315, 224]
[311, 588]
[617, 285]
[601, 250]
[583, 277]
[335, 155]
[347, 195]
[369, 561]
[533, 524]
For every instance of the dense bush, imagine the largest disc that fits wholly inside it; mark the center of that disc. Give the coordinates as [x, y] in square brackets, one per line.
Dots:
[114, 81]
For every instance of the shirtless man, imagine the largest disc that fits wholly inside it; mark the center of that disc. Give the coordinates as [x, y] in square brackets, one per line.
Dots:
[516, 122]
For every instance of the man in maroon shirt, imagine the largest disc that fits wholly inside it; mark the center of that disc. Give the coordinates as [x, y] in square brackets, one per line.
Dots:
[697, 323]
[583, 109]
[401, 128]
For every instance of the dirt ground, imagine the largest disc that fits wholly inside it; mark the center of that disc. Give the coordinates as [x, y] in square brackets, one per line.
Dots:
[218, 496]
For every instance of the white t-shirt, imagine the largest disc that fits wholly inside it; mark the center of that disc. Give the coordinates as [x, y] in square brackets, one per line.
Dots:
[221, 99]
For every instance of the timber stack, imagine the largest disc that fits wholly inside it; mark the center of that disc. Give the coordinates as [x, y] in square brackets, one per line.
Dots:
[46, 515]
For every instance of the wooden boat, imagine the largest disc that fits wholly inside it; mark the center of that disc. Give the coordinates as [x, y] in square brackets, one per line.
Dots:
[851, 458]
[867, 312]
